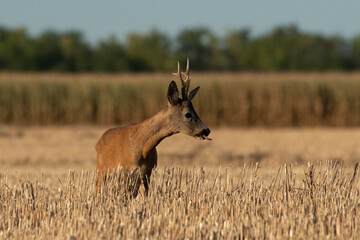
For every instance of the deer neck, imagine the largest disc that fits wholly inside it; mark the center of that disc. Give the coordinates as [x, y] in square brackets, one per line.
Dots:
[154, 130]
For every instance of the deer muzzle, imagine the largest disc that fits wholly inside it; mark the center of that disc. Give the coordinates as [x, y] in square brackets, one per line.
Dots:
[203, 135]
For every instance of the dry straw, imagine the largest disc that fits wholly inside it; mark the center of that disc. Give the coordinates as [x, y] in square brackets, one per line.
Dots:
[185, 204]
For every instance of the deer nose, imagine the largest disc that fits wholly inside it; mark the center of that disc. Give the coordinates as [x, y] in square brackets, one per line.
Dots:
[206, 132]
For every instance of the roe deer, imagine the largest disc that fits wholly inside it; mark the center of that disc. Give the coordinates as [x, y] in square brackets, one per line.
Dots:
[134, 145]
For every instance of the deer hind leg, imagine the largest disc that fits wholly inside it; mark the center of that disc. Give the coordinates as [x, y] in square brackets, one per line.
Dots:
[146, 180]
[99, 182]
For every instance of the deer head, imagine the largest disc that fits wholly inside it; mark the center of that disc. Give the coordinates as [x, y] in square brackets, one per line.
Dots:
[183, 117]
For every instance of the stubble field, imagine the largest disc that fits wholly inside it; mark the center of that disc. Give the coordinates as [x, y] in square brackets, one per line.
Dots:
[246, 183]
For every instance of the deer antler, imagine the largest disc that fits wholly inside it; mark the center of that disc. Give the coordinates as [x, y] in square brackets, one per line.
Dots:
[185, 83]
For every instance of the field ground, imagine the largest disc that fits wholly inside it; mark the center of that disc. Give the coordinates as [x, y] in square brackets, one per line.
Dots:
[46, 148]
[47, 186]
[55, 150]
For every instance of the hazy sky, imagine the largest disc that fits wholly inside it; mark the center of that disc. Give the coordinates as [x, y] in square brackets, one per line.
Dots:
[98, 19]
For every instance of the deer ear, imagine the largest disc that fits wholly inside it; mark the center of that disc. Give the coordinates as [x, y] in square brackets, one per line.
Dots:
[193, 93]
[173, 93]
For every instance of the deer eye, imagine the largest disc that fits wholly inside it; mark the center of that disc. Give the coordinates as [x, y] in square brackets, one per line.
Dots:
[188, 115]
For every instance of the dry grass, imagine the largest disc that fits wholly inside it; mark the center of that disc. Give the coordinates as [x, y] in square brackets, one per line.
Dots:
[185, 204]
[265, 198]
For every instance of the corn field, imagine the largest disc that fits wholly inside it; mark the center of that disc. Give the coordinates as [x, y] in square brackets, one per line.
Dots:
[271, 100]
[319, 202]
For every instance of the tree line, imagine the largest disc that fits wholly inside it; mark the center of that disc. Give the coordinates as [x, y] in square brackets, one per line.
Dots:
[285, 48]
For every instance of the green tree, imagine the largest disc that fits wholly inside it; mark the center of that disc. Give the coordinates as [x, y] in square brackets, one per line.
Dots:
[201, 46]
[110, 56]
[271, 51]
[237, 45]
[48, 52]
[355, 56]
[148, 52]
[16, 52]
[284, 48]
[76, 53]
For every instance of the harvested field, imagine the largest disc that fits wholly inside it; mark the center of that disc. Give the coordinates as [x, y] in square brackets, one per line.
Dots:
[72, 147]
[185, 204]
[246, 183]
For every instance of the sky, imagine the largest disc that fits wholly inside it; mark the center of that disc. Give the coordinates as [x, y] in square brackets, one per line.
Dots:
[99, 19]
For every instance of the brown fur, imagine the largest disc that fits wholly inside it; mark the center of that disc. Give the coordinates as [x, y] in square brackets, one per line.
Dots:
[132, 146]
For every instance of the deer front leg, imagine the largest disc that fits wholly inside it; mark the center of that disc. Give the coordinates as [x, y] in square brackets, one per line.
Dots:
[146, 169]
